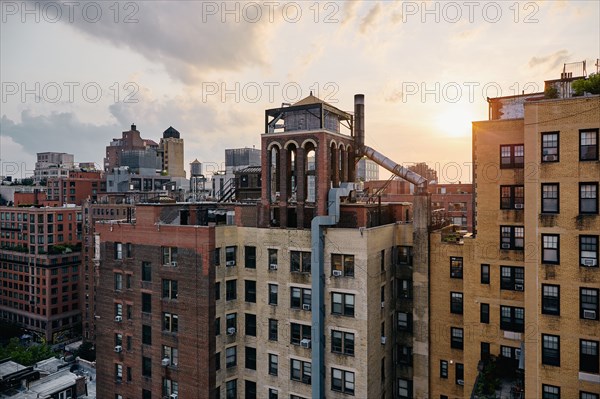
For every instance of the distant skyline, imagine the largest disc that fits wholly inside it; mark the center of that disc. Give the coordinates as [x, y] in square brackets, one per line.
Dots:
[75, 75]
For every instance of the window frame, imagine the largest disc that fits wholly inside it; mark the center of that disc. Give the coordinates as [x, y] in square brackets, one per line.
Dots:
[456, 267]
[591, 293]
[546, 189]
[485, 273]
[250, 291]
[591, 250]
[545, 248]
[548, 147]
[550, 303]
[512, 164]
[303, 262]
[444, 369]
[345, 307]
[273, 364]
[550, 355]
[249, 257]
[299, 302]
[484, 313]
[511, 322]
[339, 262]
[456, 302]
[273, 294]
[511, 201]
[345, 346]
[457, 341]
[589, 363]
[515, 277]
[546, 394]
[585, 158]
[594, 186]
[509, 242]
[346, 385]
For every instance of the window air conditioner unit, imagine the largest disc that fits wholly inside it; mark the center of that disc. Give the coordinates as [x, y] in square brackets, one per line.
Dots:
[460, 382]
[588, 262]
[305, 343]
[383, 340]
[518, 206]
[231, 331]
[306, 306]
[174, 263]
[505, 246]
[337, 273]
[382, 304]
[519, 287]
[118, 318]
[550, 158]
[118, 349]
[166, 361]
[230, 263]
[173, 396]
[589, 314]
[273, 266]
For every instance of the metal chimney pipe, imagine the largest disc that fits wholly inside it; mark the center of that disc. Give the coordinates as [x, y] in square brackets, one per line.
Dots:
[359, 121]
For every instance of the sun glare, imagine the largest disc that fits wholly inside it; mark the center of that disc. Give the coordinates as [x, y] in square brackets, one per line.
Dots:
[455, 122]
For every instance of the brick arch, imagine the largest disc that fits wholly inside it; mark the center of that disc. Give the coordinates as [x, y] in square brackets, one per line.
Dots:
[309, 141]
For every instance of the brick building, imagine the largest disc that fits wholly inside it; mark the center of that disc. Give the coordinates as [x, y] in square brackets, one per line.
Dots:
[519, 302]
[40, 258]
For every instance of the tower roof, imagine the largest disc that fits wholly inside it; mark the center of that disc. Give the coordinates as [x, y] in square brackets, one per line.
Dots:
[171, 132]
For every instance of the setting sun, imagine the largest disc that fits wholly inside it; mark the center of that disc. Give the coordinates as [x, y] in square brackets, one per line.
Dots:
[455, 121]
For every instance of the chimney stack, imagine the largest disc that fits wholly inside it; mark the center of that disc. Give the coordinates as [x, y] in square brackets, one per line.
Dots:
[359, 121]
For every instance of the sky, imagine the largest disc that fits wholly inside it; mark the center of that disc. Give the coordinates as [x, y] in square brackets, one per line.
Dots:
[74, 75]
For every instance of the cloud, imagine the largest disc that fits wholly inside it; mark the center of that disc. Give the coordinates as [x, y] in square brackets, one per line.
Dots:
[551, 61]
[189, 41]
[350, 10]
[370, 19]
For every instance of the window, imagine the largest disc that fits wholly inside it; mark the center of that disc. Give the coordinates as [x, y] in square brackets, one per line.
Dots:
[170, 322]
[550, 248]
[342, 304]
[272, 330]
[118, 372]
[512, 237]
[588, 198]
[512, 197]
[512, 318]
[589, 362]
[169, 387]
[511, 156]
[456, 302]
[146, 394]
[405, 255]
[300, 261]
[169, 289]
[146, 366]
[218, 326]
[231, 323]
[300, 371]
[456, 267]
[250, 389]
[272, 259]
[250, 325]
[273, 364]
[231, 357]
[217, 291]
[250, 257]
[250, 291]
[460, 374]
[342, 381]
[404, 355]
[404, 288]
[230, 256]
[550, 147]
[484, 313]
[250, 358]
[588, 251]
[273, 290]
[588, 303]
[588, 145]
[550, 392]
[169, 256]
[230, 290]
[342, 342]
[550, 198]
[146, 271]
[146, 302]
[551, 350]
[172, 354]
[217, 256]
[443, 369]
[118, 281]
[299, 332]
[484, 350]
[118, 250]
[456, 338]
[404, 388]
[550, 299]
[404, 321]
[231, 389]
[512, 278]
[342, 265]
[274, 394]
[300, 298]
[587, 395]
[485, 274]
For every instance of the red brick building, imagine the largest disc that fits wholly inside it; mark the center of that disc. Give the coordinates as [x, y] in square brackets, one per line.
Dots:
[75, 188]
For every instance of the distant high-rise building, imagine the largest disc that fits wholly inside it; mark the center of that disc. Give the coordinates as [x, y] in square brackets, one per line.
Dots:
[171, 148]
[53, 164]
[367, 170]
